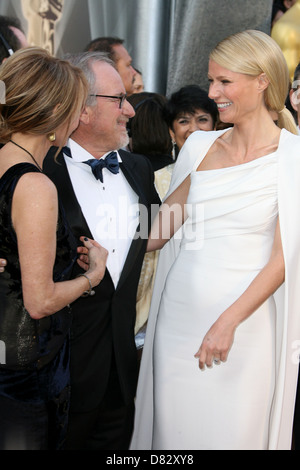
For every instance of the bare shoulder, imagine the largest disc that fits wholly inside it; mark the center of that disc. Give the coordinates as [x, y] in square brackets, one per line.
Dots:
[36, 181]
[36, 191]
[218, 153]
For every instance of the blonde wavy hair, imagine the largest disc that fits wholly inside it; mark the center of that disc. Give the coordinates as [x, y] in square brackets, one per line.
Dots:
[253, 52]
[42, 93]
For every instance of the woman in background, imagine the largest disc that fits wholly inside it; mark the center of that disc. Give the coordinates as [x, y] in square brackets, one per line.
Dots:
[148, 130]
[188, 110]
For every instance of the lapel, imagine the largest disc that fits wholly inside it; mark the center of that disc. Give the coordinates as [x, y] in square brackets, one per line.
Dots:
[130, 172]
[128, 167]
[58, 173]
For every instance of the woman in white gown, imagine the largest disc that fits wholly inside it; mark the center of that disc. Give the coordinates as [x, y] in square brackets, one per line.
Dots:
[231, 187]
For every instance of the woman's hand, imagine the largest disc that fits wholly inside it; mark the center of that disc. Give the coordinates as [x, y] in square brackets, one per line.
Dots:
[2, 265]
[218, 341]
[216, 344]
[97, 257]
[83, 259]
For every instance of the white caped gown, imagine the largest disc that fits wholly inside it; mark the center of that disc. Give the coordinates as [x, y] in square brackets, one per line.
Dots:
[233, 214]
[246, 402]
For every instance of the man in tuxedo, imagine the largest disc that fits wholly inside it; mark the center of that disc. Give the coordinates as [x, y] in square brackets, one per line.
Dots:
[105, 204]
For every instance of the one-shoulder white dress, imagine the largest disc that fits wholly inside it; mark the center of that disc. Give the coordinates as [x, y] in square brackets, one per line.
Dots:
[232, 218]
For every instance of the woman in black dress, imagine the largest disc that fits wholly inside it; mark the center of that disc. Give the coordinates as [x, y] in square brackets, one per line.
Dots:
[44, 98]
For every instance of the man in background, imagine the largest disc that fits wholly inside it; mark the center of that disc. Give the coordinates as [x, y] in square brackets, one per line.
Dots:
[119, 55]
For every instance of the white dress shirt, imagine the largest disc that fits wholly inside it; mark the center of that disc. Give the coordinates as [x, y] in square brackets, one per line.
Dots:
[110, 208]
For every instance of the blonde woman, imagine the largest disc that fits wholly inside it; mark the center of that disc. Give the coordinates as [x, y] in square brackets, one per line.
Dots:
[44, 98]
[225, 346]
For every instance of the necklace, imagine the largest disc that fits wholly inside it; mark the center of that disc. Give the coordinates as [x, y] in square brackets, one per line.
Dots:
[22, 148]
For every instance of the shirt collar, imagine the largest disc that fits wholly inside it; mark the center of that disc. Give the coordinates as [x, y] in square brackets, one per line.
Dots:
[80, 154]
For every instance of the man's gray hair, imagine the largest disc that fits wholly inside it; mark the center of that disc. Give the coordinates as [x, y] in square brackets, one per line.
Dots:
[84, 61]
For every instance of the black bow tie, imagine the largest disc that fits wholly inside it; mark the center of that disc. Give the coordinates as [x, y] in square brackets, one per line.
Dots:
[110, 162]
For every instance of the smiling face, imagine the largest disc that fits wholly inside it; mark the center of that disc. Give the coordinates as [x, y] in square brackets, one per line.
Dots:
[103, 125]
[237, 95]
[186, 123]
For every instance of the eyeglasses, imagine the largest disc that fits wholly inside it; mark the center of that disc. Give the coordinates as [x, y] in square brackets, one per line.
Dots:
[6, 45]
[121, 98]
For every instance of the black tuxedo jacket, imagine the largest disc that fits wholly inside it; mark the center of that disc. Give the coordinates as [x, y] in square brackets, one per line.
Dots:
[103, 324]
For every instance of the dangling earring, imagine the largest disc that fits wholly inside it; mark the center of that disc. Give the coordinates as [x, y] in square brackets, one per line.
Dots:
[173, 149]
[52, 137]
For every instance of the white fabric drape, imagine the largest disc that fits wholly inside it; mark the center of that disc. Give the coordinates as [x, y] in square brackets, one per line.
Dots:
[287, 299]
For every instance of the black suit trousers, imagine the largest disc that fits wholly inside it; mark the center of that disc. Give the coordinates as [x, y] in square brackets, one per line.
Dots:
[108, 427]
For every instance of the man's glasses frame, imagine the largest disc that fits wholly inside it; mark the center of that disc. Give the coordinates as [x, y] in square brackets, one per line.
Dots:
[121, 98]
[6, 45]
